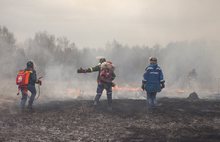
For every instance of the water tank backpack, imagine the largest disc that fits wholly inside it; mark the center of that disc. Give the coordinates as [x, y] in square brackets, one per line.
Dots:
[107, 69]
[22, 78]
[107, 65]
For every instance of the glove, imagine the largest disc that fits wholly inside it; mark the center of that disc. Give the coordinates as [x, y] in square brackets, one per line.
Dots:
[81, 70]
[142, 86]
[113, 84]
[39, 82]
[162, 85]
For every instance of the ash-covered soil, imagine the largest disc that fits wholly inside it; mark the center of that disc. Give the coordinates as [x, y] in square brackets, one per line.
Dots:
[129, 121]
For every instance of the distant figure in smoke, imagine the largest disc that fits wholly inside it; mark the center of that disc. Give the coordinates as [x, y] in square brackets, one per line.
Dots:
[192, 74]
[191, 79]
[105, 77]
[152, 81]
[26, 80]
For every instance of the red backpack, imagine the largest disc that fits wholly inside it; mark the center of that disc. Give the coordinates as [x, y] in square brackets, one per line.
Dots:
[22, 78]
[107, 69]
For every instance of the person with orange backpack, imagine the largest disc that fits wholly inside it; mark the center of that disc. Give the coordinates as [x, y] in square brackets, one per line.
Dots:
[26, 80]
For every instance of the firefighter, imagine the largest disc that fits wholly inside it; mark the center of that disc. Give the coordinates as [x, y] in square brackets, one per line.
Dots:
[103, 83]
[152, 82]
[30, 86]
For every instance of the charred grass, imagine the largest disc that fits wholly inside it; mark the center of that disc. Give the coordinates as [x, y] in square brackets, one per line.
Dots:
[129, 121]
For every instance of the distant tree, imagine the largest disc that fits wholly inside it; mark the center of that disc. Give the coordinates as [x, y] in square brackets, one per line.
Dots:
[7, 41]
[7, 52]
[41, 49]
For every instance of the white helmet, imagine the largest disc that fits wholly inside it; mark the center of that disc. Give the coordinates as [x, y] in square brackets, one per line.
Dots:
[153, 60]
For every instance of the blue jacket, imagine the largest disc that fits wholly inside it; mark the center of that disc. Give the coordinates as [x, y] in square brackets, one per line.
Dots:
[152, 78]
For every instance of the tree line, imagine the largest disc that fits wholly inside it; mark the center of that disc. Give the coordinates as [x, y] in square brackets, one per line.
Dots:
[176, 58]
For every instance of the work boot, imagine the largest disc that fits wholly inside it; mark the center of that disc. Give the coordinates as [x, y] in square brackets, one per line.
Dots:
[30, 108]
[109, 100]
[22, 104]
[95, 103]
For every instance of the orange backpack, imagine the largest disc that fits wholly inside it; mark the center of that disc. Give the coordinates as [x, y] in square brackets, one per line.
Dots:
[22, 78]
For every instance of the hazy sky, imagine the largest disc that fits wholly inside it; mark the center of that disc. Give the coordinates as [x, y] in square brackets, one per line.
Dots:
[92, 23]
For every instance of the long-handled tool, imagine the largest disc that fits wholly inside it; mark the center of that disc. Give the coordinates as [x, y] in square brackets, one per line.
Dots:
[39, 88]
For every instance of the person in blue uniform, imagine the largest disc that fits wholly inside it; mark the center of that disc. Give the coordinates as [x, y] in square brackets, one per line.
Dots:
[153, 81]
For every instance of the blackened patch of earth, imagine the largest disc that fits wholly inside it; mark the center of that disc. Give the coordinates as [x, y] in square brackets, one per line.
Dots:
[78, 120]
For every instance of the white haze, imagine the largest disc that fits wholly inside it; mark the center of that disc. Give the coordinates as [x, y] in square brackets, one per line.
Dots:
[57, 60]
[183, 34]
[91, 23]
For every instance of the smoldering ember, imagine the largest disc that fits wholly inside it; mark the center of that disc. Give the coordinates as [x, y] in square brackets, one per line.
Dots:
[188, 108]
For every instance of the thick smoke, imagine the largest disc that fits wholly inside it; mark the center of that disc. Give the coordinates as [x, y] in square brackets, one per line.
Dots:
[57, 59]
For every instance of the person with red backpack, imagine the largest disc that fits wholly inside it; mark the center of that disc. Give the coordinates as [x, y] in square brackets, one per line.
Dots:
[26, 80]
[105, 79]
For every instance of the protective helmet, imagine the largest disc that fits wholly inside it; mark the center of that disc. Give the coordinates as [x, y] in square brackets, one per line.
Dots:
[30, 64]
[101, 60]
[153, 60]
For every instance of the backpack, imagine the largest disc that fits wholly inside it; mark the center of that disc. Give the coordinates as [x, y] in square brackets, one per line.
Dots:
[107, 65]
[106, 73]
[22, 78]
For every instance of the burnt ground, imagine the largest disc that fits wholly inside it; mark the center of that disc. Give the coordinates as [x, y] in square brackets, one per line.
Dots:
[129, 121]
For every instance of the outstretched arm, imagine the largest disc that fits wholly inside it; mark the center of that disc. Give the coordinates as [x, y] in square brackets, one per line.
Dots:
[92, 69]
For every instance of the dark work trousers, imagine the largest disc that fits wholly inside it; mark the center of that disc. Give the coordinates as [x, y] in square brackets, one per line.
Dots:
[151, 99]
[100, 88]
[24, 97]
